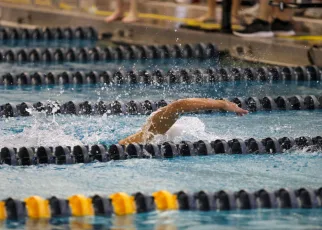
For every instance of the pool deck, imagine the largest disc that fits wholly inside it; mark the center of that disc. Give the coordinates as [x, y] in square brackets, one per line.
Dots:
[280, 51]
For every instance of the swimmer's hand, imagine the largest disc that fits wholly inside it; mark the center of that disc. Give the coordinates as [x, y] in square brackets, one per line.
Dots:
[232, 107]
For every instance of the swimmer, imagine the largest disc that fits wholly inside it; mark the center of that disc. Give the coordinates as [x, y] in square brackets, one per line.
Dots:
[163, 119]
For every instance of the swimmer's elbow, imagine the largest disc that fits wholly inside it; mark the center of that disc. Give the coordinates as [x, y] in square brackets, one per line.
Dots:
[123, 142]
[184, 105]
[195, 104]
[135, 138]
[127, 141]
[177, 107]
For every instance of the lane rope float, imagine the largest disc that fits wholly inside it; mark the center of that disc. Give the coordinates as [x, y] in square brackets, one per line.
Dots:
[25, 156]
[121, 203]
[48, 34]
[84, 55]
[133, 107]
[161, 77]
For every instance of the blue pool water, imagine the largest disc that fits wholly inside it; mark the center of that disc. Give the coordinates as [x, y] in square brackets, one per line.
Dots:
[142, 92]
[232, 172]
[71, 130]
[164, 64]
[263, 219]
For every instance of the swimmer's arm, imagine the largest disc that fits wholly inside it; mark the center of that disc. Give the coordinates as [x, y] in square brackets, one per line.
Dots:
[197, 104]
[168, 115]
[134, 138]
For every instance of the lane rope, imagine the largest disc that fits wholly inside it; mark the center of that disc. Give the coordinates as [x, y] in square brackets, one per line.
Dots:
[9, 34]
[25, 156]
[97, 54]
[162, 77]
[133, 107]
[121, 203]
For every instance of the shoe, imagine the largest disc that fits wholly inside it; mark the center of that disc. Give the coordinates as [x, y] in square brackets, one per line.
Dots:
[258, 28]
[282, 28]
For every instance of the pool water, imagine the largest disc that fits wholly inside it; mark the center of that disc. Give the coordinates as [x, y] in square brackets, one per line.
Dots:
[254, 219]
[294, 169]
[141, 92]
[71, 130]
[164, 64]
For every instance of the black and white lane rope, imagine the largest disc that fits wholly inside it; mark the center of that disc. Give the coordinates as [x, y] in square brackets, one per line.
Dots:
[10, 34]
[172, 76]
[103, 153]
[84, 55]
[133, 107]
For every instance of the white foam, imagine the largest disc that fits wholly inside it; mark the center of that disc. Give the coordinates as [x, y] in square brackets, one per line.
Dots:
[44, 131]
[188, 129]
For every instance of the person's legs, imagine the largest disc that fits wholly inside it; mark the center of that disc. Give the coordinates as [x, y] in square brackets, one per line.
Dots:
[211, 12]
[261, 26]
[133, 15]
[285, 15]
[265, 10]
[234, 11]
[282, 24]
[118, 13]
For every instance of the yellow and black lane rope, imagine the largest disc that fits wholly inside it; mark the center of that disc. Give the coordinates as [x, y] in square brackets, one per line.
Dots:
[121, 203]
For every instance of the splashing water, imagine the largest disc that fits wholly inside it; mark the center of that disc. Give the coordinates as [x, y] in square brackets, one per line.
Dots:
[44, 131]
[71, 130]
[188, 129]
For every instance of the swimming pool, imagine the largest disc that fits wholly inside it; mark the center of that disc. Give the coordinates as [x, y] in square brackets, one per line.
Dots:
[233, 172]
